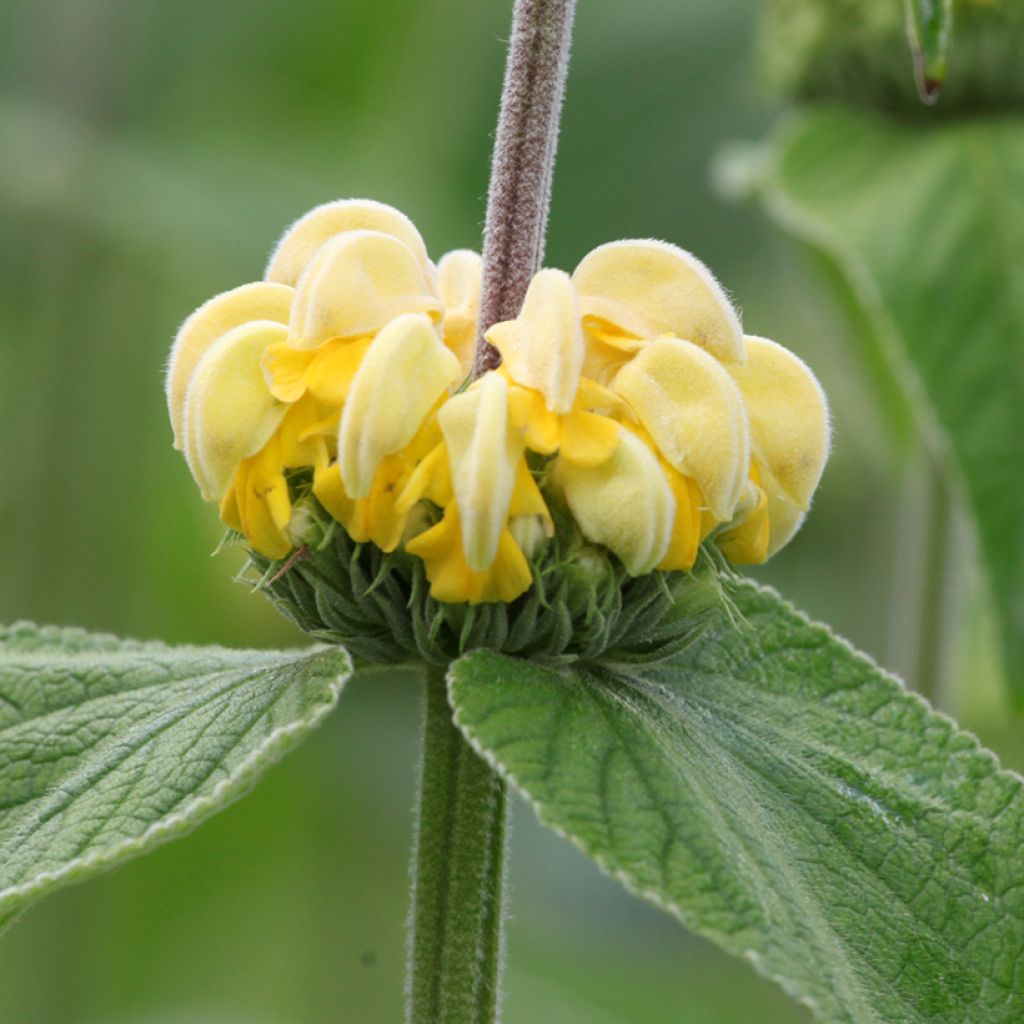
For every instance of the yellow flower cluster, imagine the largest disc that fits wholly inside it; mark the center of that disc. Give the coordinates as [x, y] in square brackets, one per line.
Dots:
[627, 393]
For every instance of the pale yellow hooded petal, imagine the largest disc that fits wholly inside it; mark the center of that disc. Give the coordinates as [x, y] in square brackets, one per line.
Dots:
[405, 371]
[483, 451]
[625, 503]
[356, 283]
[543, 347]
[789, 427]
[459, 275]
[212, 320]
[229, 411]
[694, 413]
[646, 289]
[301, 241]
[785, 517]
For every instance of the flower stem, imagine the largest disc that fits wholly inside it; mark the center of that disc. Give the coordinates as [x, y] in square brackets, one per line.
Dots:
[523, 161]
[455, 924]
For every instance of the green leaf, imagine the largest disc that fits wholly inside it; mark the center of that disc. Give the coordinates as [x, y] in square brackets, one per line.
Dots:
[779, 793]
[109, 747]
[927, 223]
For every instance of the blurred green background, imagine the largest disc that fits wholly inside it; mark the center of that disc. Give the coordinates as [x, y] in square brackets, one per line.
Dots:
[150, 154]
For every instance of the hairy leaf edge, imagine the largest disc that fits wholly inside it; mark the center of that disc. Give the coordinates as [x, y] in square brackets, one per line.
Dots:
[651, 896]
[282, 739]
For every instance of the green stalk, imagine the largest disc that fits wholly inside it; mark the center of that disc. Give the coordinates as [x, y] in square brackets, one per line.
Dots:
[456, 923]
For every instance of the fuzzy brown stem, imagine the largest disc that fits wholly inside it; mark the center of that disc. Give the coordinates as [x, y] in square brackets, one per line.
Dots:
[523, 162]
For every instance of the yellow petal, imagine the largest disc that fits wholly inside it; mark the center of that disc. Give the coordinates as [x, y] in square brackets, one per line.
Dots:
[355, 284]
[785, 517]
[537, 424]
[229, 412]
[333, 369]
[526, 498]
[405, 371]
[301, 241]
[789, 428]
[285, 370]
[212, 320]
[299, 439]
[483, 452]
[543, 347]
[458, 283]
[263, 505]
[686, 526]
[453, 581]
[647, 289]
[430, 480]
[747, 543]
[588, 439]
[625, 503]
[694, 412]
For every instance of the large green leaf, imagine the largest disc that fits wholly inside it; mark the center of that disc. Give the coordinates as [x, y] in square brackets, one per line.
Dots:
[779, 793]
[109, 747]
[927, 224]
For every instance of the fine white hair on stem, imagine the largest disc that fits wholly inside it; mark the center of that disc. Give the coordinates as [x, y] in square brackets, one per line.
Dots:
[523, 162]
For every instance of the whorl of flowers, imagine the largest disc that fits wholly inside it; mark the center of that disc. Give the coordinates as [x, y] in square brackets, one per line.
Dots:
[628, 406]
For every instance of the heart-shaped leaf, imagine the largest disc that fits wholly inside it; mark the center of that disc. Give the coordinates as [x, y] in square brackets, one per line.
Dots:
[779, 793]
[109, 747]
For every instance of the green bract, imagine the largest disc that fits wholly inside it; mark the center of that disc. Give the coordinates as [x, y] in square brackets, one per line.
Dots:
[582, 606]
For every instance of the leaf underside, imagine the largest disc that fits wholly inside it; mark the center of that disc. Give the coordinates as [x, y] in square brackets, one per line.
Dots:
[780, 794]
[109, 747]
[927, 225]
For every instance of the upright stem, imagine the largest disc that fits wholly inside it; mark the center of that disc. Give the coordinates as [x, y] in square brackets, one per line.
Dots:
[455, 926]
[523, 161]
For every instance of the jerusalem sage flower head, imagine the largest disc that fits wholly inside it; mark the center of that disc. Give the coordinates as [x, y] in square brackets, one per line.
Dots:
[395, 503]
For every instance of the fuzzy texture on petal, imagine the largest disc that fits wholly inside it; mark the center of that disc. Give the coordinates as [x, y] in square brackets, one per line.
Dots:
[747, 543]
[483, 451]
[301, 241]
[694, 413]
[229, 412]
[625, 503]
[543, 347]
[788, 411]
[403, 374]
[644, 289]
[459, 280]
[356, 283]
[212, 320]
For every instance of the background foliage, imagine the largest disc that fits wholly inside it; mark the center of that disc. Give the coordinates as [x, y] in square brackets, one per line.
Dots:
[151, 153]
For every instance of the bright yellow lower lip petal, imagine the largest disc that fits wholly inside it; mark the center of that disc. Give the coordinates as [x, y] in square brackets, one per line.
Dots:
[355, 284]
[483, 451]
[624, 504]
[542, 348]
[789, 427]
[452, 579]
[686, 524]
[301, 241]
[646, 289]
[748, 542]
[229, 412]
[212, 320]
[587, 439]
[404, 373]
[694, 413]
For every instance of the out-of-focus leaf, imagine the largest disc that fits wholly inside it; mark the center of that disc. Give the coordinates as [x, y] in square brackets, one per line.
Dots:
[777, 792]
[109, 747]
[927, 225]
